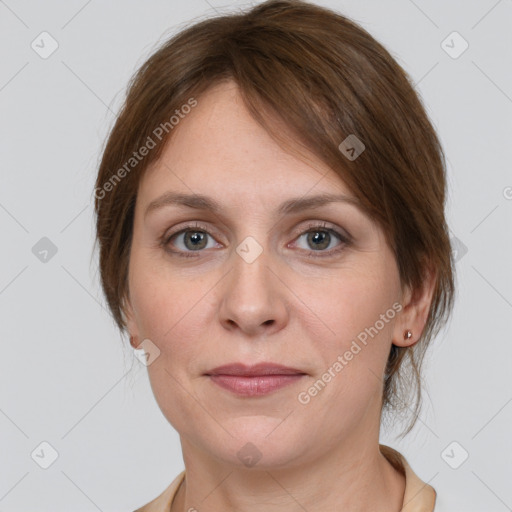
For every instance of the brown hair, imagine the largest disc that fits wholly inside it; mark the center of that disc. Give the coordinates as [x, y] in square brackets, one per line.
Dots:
[326, 78]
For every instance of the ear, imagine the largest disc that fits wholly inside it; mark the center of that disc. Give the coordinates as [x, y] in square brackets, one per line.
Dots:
[415, 308]
[130, 322]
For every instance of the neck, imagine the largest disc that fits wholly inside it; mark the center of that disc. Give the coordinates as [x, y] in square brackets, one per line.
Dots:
[348, 478]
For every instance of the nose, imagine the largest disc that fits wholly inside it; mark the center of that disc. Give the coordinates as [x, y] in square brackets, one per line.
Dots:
[254, 299]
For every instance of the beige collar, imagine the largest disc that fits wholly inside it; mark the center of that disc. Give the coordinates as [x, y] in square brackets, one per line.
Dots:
[418, 496]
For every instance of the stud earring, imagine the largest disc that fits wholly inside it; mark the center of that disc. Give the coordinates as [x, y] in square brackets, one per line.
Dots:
[407, 334]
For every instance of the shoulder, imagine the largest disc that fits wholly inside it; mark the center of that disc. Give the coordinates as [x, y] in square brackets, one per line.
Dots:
[419, 496]
[162, 503]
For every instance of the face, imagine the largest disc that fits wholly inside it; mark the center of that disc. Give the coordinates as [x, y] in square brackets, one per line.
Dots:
[315, 288]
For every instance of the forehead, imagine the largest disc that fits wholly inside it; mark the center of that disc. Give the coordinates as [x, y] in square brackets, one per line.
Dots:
[219, 149]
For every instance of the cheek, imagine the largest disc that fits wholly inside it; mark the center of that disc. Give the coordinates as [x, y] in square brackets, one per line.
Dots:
[161, 300]
[340, 308]
[170, 315]
[174, 313]
[350, 331]
[352, 340]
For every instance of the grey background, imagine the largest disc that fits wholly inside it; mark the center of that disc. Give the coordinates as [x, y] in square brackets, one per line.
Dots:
[66, 379]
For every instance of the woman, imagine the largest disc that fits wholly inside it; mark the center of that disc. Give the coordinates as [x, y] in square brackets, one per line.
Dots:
[270, 216]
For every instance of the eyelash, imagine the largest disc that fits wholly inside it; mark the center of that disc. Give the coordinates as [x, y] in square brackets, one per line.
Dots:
[344, 239]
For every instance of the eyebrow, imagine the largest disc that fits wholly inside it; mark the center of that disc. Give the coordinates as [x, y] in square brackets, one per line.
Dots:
[202, 202]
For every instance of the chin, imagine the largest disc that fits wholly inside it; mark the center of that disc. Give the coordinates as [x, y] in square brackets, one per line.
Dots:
[259, 442]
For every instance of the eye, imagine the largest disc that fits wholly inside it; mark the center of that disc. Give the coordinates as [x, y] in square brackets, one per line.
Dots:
[319, 237]
[191, 238]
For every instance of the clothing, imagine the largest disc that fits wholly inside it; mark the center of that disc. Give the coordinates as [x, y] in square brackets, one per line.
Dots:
[418, 497]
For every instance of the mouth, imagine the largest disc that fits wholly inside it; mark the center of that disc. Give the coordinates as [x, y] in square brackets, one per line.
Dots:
[257, 370]
[256, 380]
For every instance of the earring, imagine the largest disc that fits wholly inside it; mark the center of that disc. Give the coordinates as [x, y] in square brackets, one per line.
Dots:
[407, 334]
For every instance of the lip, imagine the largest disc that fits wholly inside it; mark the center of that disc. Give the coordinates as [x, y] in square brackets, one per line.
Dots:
[256, 370]
[256, 380]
